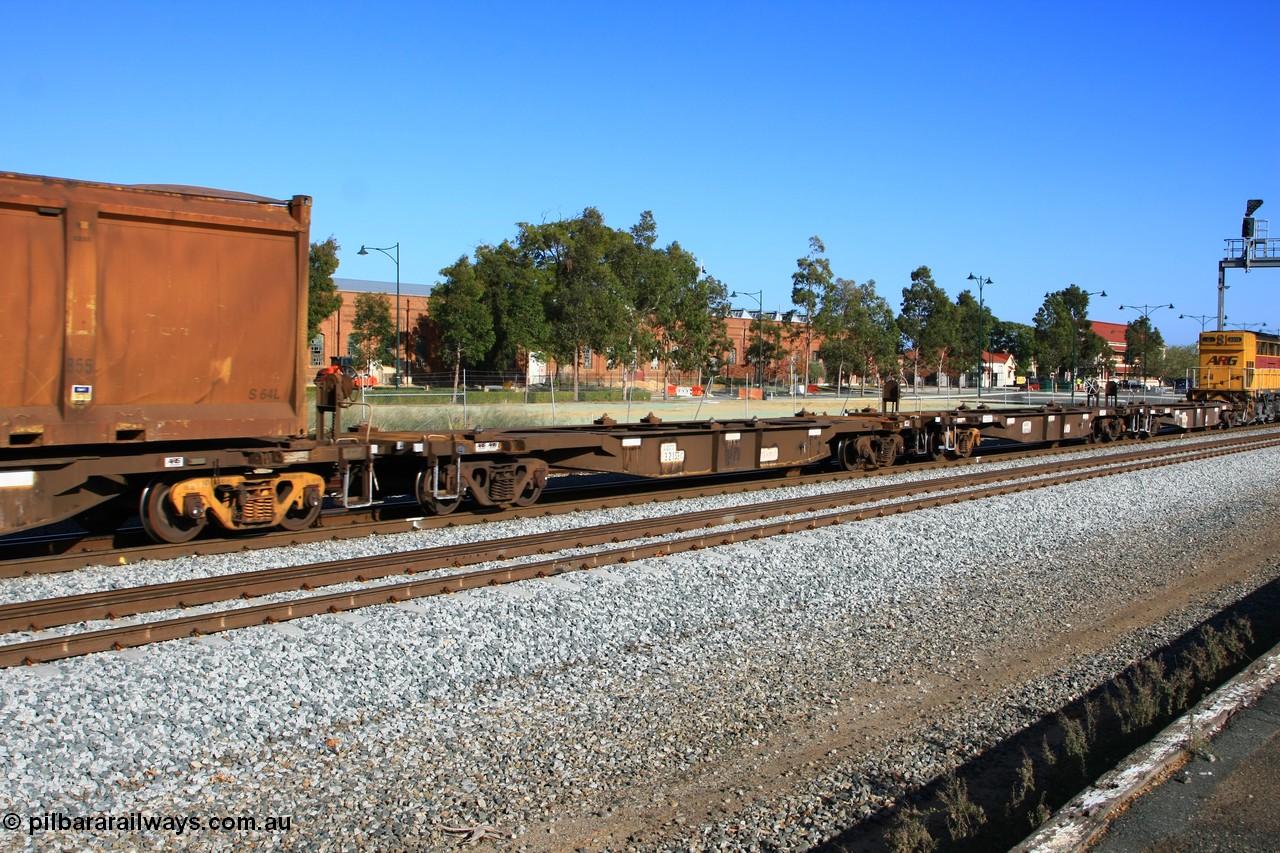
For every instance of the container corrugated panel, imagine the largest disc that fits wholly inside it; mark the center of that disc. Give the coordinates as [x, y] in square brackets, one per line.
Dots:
[149, 314]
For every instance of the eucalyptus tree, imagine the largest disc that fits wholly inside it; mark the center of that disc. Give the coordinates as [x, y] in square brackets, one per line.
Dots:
[372, 332]
[858, 329]
[809, 282]
[648, 287]
[1180, 361]
[1063, 336]
[927, 321]
[974, 322]
[1144, 347]
[695, 333]
[462, 316]
[1018, 339]
[769, 350]
[583, 304]
[323, 297]
[513, 292]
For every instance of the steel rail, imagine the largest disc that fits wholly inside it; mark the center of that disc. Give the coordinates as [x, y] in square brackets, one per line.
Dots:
[339, 525]
[116, 603]
[47, 649]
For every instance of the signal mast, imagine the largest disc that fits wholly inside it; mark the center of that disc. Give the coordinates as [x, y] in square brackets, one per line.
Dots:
[1254, 249]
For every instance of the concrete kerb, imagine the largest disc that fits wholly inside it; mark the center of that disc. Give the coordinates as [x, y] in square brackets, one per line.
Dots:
[1080, 822]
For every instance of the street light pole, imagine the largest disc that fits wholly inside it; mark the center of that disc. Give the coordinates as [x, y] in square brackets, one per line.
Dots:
[1203, 318]
[759, 295]
[1145, 312]
[364, 250]
[981, 361]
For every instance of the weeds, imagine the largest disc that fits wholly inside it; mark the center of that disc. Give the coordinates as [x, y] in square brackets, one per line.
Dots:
[1197, 743]
[1148, 694]
[964, 816]
[908, 834]
[1075, 742]
[1023, 785]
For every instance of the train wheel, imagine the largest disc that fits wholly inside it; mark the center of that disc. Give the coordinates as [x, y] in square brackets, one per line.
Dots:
[301, 519]
[847, 454]
[430, 502]
[529, 494]
[161, 521]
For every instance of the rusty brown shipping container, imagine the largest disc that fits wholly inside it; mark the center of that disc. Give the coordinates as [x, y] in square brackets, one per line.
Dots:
[149, 313]
[156, 343]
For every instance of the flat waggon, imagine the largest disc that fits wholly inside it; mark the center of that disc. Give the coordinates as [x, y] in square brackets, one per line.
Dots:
[164, 372]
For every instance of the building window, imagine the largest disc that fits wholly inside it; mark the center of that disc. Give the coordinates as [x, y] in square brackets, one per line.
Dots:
[586, 357]
[317, 351]
[733, 355]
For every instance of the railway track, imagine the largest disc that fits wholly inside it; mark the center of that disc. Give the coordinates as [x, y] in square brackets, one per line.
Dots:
[23, 556]
[715, 527]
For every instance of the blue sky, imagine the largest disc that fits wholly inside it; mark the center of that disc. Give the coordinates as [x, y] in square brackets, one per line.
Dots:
[1110, 145]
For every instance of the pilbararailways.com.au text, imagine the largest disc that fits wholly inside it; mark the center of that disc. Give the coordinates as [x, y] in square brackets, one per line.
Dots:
[43, 822]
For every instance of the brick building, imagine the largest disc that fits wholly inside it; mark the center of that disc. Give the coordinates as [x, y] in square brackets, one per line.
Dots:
[335, 331]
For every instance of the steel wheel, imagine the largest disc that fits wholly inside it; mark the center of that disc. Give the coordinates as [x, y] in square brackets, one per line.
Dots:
[529, 494]
[162, 522]
[296, 518]
[431, 503]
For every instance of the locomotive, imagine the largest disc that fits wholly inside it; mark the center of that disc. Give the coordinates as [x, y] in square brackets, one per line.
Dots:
[1241, 368]
[164, 374]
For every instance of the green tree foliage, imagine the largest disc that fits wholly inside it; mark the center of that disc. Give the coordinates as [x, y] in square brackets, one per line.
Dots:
[966, 348]
[583, 303]
[695, 333]
[860, 334]
[1179, 361]
[1064, 339]
[766, 351]
[811, 280]
[1144, 348]
[928, 322]
[613, 291]
[372, 332]
[459, 309]
[513, 291]
[323, 297]
[1018, 339]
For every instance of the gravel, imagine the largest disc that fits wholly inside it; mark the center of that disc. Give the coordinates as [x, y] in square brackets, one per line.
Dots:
[542, 709]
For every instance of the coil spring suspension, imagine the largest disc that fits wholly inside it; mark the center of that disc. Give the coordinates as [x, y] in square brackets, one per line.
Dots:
[502, 485]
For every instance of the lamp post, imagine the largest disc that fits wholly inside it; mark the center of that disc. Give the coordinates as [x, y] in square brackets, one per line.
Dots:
[981, 361]
[1145, 312]
[364, 250]
[759, 295]
[1203, 318]
[1075, 335]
